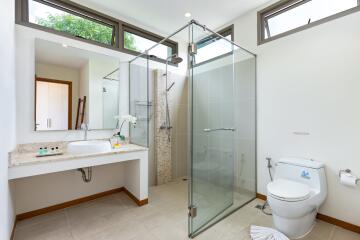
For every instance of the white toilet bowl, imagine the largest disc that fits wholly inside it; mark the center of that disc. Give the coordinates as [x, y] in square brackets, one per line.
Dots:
[295, 195]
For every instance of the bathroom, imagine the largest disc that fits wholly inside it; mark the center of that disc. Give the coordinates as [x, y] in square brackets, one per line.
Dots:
[182, 122]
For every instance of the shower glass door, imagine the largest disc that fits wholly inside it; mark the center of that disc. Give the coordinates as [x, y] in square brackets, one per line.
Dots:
[222, 166]
[212, 133]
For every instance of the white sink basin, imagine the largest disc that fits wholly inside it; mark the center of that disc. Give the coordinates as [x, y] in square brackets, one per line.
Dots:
[89, 147]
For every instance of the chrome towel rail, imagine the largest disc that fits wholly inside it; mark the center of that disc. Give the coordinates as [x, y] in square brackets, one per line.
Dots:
[218, 129]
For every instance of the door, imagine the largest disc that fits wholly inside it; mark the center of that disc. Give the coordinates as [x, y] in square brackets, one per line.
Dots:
[42, 96]
[52, 106]
[212, 141]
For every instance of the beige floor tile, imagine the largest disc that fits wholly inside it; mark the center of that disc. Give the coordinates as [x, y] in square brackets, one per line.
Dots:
[41, 218]
[123, 231]
[145, 236]
[64, 234]
[343, 234]
[117, 217]
[213, 233]
[321, 230]
[242, 234]
[169, 231]
[54, 228]
[88, 227]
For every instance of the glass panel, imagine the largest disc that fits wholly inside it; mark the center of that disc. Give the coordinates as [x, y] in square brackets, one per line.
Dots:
[110, 89]
[310, 11]
[223, 136]
[212, 48]
[139, 101]
[140, 44]
[63, 21]
[213, 148]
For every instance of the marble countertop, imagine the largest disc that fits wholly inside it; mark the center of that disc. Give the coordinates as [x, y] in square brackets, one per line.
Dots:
[21, 157]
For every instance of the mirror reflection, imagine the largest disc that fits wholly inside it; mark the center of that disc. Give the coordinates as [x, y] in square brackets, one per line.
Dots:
[74, 87]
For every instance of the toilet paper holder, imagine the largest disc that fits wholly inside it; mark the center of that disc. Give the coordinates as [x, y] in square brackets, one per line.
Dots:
[349, 171]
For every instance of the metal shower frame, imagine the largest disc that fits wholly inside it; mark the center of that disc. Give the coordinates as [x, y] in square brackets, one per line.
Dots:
[146, 55]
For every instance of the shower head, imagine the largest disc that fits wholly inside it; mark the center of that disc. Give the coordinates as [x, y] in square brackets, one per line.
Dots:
[175, 59]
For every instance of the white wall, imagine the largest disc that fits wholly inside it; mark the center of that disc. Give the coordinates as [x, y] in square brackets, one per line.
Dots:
[56, 72]
[7, 116]
[309, 82]
[46, 190]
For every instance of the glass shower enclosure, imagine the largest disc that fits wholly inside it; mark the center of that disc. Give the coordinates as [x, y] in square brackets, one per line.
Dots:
[223, 128]
[222, 123]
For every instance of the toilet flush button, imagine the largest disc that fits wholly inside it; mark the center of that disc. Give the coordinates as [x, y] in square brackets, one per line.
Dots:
[305, 174]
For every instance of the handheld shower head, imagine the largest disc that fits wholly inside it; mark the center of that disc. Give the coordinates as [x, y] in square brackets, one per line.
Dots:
[168, 89]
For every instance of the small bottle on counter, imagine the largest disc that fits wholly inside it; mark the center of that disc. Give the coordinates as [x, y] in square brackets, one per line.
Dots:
[41, 151]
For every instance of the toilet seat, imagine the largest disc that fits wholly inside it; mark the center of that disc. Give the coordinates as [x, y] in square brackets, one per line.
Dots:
[287, 190]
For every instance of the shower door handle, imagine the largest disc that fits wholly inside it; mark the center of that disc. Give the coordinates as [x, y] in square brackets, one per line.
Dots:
[218, 129]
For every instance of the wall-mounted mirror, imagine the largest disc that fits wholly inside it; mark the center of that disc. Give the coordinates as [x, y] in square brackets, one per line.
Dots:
[74, 86]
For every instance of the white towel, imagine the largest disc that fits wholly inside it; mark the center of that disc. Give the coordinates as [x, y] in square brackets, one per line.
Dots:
[265, 233]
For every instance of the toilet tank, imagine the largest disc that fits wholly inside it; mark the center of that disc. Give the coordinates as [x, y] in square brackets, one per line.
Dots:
[306, 171]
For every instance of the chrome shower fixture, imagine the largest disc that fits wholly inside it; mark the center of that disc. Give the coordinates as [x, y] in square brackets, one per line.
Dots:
[175, 59]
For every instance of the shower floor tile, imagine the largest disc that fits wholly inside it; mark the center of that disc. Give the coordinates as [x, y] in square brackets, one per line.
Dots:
[165, 217]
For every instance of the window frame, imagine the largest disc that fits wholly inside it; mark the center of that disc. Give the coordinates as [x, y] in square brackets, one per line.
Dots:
[74, 9]
[150, 36]
[119, 26]
[223, 32]
[285, 5]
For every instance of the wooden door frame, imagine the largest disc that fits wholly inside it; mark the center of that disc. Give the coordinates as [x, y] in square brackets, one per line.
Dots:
[69, 83]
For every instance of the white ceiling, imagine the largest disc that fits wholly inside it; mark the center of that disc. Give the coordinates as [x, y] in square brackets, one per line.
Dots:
[166, 16]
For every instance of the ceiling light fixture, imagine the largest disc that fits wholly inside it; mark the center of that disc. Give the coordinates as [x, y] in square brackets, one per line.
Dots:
[187, 14]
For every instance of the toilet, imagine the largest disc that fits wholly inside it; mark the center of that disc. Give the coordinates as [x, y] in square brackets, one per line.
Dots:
[295, 195]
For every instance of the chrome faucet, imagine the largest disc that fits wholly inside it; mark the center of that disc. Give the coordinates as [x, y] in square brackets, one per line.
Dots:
[85, 127]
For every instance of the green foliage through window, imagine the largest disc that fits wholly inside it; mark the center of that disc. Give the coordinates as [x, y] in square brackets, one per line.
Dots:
[79, 27]
[85, 24]
[129, 42]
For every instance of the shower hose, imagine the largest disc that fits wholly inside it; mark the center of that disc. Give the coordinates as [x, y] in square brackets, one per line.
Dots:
[266, 204]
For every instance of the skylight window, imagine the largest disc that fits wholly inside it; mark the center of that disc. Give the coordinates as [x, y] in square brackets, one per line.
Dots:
[289, 16]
